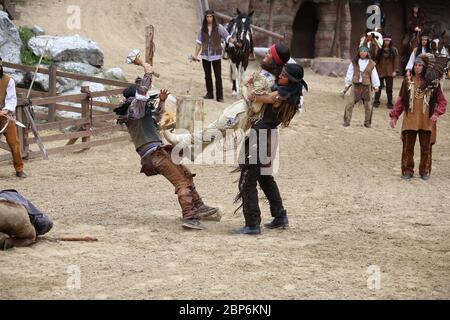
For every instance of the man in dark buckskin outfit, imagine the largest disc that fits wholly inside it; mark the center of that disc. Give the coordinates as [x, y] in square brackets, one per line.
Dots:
[142, 124]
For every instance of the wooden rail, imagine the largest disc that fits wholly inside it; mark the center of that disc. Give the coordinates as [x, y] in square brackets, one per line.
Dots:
[10, 8]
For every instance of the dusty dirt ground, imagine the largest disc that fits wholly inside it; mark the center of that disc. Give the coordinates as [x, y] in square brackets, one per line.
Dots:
[348, 207]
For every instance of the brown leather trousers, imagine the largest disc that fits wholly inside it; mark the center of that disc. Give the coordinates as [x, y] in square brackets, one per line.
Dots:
[409, 140]
[160, 162]
[14, 144]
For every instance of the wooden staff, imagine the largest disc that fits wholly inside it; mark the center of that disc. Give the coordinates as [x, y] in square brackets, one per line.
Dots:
[70, 239]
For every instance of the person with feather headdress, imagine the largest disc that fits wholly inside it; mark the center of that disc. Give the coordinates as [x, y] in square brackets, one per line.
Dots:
[423, 102]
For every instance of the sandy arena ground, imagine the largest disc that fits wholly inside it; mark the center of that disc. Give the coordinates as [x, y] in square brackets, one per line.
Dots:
[349, 208]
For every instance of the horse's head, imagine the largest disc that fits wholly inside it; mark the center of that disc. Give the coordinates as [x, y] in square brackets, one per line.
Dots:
[241, 28]
[439, 45]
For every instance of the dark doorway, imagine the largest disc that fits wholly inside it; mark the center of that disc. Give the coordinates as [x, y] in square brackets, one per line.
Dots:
[304, 31]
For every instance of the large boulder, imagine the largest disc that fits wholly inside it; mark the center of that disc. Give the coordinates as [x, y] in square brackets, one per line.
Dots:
[37, 30]
[114, 74]
[68, 48]
[331, 67]
[10, 42]
[19, 77]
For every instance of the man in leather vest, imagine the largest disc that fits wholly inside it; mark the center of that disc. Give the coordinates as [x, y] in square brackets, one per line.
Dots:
[363, 76]
[8, 103]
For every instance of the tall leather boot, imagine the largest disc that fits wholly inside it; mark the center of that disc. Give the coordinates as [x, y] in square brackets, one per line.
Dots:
[249, 194]
[203, 211]
[390, 105]
[190, 219]
[280, 221]
[376, 102]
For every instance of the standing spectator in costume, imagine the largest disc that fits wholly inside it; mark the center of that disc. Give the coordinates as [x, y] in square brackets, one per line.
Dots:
[362, 76]
[373, 40]
[259, 149]
[20, 221]
[416, 21]
[209, 51]
[142, 123]
[8, 104]
[387, 61]
[424, 47]
[422, 100]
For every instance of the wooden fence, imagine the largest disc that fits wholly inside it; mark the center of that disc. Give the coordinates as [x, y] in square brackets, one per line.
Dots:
[92, 123]
[10, 8]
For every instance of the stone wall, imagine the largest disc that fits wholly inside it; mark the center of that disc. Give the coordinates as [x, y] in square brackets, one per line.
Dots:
[352, 27]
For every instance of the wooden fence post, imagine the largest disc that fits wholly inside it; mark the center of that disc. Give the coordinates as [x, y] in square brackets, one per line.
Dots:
[190, 112]
[52, 93]
[149, 44]
[85, 111]
[23, 132]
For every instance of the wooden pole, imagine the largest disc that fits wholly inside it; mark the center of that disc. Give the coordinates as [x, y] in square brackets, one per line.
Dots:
[149, 44]
[52, 93]
[85, 111]
[271, 10]
[23, 132]
[190, 111]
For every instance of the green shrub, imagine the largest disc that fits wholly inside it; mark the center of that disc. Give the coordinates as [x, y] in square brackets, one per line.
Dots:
[27, 56]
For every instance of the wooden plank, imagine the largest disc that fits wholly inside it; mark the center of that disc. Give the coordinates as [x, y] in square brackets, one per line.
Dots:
[104, 104]
[34, 93]
[86, 145]
[107, 93]
[79, 134]
[74, 97]
[149, 44]
[36, 133]
[23, 132]
[85, 113]
[10, 8]
[63, 107]
[52, 93]
[82, 77]
[50, 100]
[61, 125]
[25, 68]
[70, 75]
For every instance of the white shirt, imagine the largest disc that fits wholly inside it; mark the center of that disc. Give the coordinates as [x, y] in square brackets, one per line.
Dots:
[363, 63]
[11, 98]
[412, 59]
